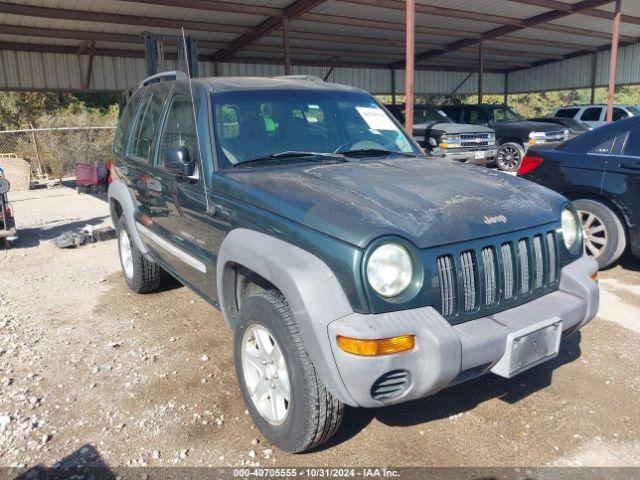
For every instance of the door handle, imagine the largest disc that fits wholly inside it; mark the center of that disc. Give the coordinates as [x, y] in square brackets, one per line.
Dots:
[124, 170]
[154, 185]
[630, 165]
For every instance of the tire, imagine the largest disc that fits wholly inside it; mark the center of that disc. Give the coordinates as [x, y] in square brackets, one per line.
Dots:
[141, 274]
[312, 415]
[509, 157]
[604, 233]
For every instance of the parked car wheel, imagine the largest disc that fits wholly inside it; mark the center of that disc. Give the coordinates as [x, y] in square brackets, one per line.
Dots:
[510, 156]
[286, 399]
[141, 274]
[605, 238]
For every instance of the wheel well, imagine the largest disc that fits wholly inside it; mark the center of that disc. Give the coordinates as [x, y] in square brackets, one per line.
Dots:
[615, 208]
[244, 283]
[115, 209]
[510, 140]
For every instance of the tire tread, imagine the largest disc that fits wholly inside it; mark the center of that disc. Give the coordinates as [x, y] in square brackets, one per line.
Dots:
[327, 411]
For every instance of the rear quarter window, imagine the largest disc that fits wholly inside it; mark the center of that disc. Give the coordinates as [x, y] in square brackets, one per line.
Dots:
[124, 122]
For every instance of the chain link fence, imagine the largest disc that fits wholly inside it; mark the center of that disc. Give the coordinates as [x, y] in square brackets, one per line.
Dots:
[53, 152]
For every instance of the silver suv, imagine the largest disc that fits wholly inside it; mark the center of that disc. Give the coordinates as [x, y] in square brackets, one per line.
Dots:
[596, 115]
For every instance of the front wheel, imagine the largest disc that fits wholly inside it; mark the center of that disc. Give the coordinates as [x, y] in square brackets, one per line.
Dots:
[286, 399]
[510, 157]
[605, 238]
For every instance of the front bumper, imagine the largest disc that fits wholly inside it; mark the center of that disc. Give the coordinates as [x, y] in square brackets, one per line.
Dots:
[469, 156]
[446, 355]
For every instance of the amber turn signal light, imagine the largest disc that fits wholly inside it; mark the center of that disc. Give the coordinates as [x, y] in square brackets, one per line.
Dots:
[594, 277]
[383, 346]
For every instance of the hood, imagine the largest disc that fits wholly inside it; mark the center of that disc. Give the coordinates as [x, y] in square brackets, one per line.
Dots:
[427, 128]
[429, 202]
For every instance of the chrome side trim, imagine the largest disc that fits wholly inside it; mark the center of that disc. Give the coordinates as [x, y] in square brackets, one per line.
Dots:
[171, 248]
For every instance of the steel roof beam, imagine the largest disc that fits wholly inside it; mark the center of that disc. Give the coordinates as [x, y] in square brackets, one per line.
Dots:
[507, 29]
[116, 18]
[591, 12]
[19, 30]
[482, 17]
[216, 6]
[122, 53]
[291, 12]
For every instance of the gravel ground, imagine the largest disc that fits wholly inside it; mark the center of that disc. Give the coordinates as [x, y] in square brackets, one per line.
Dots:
[89, 368]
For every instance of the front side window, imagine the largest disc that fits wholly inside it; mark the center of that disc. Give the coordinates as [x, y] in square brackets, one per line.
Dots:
[251, 125]
[476, 117]
[144, 127]
[591, 114]
[179, 128]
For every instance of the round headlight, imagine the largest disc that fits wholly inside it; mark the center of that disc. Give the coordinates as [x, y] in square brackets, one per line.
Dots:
[570, 230]
[390, 270]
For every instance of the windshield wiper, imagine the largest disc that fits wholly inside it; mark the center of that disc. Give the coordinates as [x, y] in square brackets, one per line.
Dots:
[284, 156]
[375, 152]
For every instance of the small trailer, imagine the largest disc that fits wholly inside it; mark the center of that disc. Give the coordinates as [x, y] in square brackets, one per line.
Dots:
[91, 178]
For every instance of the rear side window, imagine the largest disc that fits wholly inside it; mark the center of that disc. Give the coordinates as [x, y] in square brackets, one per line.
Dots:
[567, 112]
[632, 145]
[144, 127]
[591, 114]
[619, 114]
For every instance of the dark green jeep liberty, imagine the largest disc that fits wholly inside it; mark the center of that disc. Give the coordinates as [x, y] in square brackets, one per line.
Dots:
[352, 269]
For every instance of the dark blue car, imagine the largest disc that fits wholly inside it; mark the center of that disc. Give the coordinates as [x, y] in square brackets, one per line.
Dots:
[600, 172]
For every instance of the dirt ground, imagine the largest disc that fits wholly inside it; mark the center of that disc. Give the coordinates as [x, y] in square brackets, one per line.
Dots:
[88, 366]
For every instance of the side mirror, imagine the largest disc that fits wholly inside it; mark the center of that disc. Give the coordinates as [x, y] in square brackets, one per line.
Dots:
[177, 161]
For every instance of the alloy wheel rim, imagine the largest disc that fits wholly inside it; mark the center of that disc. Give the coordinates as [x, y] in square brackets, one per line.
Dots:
[265, 374]
[126, 255]
[509, 157]
[595, 233]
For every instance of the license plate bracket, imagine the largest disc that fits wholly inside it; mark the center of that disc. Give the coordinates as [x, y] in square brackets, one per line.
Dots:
[479, 155]
[529, 347]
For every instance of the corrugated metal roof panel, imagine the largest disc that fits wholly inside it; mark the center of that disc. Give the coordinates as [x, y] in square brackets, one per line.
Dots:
[503, 8]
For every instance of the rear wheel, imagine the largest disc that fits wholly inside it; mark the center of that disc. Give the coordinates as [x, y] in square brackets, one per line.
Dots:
[605, 238]
[141, 274]
[510, 156]
[286, 399]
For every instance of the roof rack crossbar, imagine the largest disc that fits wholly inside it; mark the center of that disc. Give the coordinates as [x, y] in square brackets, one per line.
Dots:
[163, 76]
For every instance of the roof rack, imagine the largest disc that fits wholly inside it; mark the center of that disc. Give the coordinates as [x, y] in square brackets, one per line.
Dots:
[305, 78]
[163, 76]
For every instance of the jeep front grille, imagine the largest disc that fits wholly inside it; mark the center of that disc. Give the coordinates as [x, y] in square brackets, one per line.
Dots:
[477, 281]
[447, 284]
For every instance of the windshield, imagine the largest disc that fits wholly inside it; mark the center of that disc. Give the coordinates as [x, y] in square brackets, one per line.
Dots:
[261, 124]
[423, 115]
[505, 114]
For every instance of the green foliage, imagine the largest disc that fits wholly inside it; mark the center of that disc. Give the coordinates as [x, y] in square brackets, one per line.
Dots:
[23, 109]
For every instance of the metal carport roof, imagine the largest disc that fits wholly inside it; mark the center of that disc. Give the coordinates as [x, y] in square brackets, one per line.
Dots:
[539, 44]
